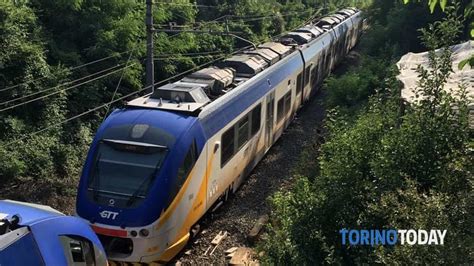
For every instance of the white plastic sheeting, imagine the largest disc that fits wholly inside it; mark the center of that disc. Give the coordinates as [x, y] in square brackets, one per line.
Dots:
[409, 77]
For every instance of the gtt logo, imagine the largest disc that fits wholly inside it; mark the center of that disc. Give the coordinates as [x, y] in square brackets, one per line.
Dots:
[108, 214]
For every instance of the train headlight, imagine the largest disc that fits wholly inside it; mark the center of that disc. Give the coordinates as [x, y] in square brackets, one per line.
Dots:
[144, 232]
[133, 233]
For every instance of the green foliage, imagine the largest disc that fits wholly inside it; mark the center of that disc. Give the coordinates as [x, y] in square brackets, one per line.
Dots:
[393, 166]
[425, 210]
[468, 61]
[11, 166]
[341, 93]
[394, 28]
[433, 3]
[468, 16]
[352, 89]
[42, 43]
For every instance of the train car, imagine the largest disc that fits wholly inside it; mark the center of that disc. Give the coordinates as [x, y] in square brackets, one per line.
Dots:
[32, 234]
[158, 165]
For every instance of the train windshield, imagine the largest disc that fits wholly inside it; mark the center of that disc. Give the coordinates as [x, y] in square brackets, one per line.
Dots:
[124, 170]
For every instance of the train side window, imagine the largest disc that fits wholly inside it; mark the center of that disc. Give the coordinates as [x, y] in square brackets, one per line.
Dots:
[287, 102]
[227, 146]
[328, 60]
[306, 74]
[183, 172]
[280, 109]
[243, 131]
[322, 62]
[187, 164]
[314, 76]
[78, 250]
[299, 82]
[256, 119]
[320, 69]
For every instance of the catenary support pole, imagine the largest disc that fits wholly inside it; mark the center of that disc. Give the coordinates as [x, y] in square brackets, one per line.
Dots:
[150, 70]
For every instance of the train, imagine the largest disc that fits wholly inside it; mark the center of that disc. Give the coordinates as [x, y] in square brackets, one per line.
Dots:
[33, 234]
[157, 165]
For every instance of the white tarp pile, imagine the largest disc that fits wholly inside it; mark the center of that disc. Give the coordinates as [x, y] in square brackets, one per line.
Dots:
[409, 77]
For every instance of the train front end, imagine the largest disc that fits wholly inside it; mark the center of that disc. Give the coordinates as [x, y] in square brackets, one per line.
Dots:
[133, 181]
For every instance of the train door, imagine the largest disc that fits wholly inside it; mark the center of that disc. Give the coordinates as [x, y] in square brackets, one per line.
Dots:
[299, 90]
[334, 48]
[327, 60]
[314, 77]
[320, 68]
[306, 85]
[269, 120]
[348, 39]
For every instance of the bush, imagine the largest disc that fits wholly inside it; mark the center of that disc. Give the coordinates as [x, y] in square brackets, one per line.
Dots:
[10, 165]
[389, 168]
[351, 90]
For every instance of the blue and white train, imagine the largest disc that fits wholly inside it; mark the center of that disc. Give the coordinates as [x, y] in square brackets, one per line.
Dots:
[158, 165]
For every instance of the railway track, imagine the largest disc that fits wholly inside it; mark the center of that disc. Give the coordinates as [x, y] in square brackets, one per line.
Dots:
[238, 215]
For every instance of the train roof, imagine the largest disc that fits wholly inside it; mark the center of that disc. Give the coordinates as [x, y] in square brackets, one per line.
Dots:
[314, 30]
[299, 37]
[347, 12]
[197, 90]
[280, 49]
[266, 54]
[28, 213]
[245, 65]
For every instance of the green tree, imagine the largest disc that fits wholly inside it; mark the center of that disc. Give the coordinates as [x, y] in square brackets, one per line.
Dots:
[25, 70]
[45, 43]
[390, 168]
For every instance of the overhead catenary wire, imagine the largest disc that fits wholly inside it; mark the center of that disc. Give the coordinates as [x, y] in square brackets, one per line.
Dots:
[77, 67]
[236, 18]
[184, 58]
[258, 16]
[60, 85]
[123, 72]
[185, 4]
[118, 84]
[131, 94]
[251, 18]
[62, 90]
[187, 56]
[168, 56]
[116, 100]
[68, 69]
[94, 79]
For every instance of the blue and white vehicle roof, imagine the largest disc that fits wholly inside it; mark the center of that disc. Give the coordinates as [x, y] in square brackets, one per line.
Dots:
[34, 239]
[29, 213]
